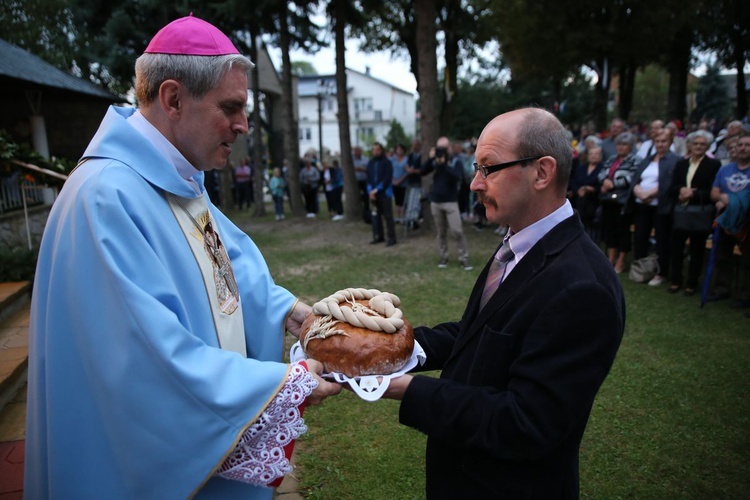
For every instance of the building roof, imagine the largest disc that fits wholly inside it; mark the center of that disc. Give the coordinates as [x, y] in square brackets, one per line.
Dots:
[309, 84]
[18, 64]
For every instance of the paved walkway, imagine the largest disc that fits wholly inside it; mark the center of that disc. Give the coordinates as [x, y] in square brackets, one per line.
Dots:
[13, 357]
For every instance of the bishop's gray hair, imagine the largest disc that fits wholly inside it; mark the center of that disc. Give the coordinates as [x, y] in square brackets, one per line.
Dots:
[199, 74]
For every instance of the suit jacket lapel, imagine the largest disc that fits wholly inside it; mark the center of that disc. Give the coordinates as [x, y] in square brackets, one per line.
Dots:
[532, 263]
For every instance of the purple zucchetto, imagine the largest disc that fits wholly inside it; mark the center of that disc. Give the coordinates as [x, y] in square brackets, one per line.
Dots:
[191, 36]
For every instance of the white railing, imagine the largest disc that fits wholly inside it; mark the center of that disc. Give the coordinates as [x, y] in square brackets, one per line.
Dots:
[12, 190]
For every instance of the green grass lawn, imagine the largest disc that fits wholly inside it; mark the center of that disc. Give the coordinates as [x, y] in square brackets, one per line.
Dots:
[671, 421]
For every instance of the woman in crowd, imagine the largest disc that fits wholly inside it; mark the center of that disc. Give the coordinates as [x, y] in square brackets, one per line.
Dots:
[615, 178]
[589, 142]
[691, 185]
[277, 186]
[651, 204]
[334, 187]
[309, 179]
[584, 190]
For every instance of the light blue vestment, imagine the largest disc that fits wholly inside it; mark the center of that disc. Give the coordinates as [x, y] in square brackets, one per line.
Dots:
[129, 394]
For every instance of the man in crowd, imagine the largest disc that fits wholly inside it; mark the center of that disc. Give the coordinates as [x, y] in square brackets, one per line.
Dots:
[446, 182]
[156, 328]
[609, 148]
[719, 148]
[647, 148]
[521, 368]
[731, 193]
[380, 191]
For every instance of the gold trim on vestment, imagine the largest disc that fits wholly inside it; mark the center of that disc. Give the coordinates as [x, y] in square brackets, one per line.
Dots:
[242, 432]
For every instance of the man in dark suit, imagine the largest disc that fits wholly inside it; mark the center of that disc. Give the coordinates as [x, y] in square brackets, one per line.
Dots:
[380, 191]
[520, 370]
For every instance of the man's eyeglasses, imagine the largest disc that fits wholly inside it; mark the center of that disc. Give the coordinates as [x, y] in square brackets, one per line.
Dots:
[491, 169]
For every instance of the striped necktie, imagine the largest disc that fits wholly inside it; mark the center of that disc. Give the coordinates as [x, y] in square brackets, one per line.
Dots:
[496, 273]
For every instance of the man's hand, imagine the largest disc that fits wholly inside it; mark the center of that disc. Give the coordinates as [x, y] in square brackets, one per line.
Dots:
[324, 388]
[299, 313]
[397, 387]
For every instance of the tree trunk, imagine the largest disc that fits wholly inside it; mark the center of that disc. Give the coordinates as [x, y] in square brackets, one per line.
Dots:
[739, 63]
[678, 66]
[291, 135]
[627, 88]
[601, 94]
[425, 14]
[352, 202]
[409, 37]
[450, 80]
[258, 166]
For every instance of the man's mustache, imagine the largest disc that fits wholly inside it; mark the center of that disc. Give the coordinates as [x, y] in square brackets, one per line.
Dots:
[485, 200]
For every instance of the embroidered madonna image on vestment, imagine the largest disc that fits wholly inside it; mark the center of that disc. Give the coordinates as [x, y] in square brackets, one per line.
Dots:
[226, 286]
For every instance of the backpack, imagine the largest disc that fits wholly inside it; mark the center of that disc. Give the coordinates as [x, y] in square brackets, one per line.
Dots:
[642, 270]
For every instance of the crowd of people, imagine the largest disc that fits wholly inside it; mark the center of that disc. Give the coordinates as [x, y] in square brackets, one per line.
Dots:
[625, 185]
[647, 194]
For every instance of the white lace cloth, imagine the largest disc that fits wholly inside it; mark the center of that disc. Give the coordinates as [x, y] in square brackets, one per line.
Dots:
[259, 456]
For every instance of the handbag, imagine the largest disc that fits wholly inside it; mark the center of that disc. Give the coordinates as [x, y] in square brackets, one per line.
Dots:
[610, 197]
[643, 269]
[694, 218]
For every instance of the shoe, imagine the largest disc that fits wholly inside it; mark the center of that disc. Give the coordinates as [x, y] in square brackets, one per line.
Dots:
[467, 267]
[390, 243]
[379, 240]
[689, 292]
[656, 281]
[443, 264]
[310, 215]
[619, 270]
[337, 217]
[714, 297]
[740, 304]
[673, 289]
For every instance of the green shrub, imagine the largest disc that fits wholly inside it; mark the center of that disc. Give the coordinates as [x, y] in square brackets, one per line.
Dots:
[17, 264]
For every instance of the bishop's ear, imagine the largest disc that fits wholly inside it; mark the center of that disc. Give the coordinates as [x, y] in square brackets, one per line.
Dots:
[170, 95]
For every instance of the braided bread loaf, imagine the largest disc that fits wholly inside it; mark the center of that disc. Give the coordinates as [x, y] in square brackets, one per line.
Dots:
[358, 332]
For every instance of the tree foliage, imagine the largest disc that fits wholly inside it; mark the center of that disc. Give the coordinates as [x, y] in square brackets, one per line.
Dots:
[303, 68]
[545, 44]
[396, 135]
[26, 24]
[711, 97]
[727, 33]
[651, 89]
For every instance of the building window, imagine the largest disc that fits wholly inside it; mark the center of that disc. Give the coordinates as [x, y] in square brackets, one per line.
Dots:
[305, 134]
[378, 116]
[366, 133]
[363, 104]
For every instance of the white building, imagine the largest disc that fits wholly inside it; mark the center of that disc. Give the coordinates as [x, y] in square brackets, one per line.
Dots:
[373, 104]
